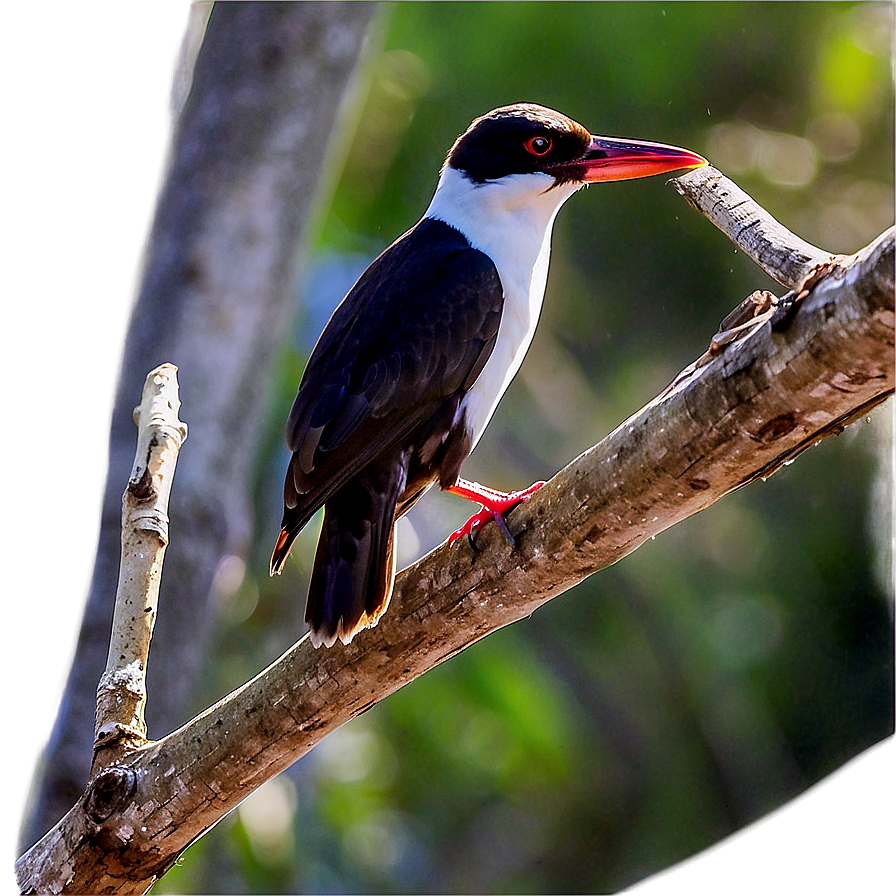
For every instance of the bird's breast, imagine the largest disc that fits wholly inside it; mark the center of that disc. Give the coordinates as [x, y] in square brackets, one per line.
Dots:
[510, 220]
[523, 286]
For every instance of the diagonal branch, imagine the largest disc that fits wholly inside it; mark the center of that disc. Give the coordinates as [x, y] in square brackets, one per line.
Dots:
[761, 399]
[781, 254]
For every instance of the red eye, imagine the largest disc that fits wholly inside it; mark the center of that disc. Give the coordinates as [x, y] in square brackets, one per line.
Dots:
[538, 146]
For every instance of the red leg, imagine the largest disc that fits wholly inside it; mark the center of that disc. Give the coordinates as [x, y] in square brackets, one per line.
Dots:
[494, 505]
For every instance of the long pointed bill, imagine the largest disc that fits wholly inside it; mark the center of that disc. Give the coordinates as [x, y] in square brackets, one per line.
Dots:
[616, 158]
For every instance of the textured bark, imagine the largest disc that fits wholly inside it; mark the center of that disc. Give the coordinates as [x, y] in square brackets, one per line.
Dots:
[246, 161]
[749, 226]
[121, 693]
[758, 403]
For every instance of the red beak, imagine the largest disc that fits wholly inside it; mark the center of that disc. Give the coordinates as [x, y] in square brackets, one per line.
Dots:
[617, 158]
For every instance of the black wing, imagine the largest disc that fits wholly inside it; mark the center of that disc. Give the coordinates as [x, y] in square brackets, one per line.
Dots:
[414, 332]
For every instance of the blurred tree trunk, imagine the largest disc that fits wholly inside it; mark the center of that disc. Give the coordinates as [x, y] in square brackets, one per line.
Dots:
[248, 153]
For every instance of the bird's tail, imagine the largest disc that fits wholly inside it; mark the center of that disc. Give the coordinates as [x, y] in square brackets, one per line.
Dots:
[281, 550]
[354, 567]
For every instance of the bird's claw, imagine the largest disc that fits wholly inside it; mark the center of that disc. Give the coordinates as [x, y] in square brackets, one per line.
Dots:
[470, 527]
[502, 526]
[475, 522]
[495, 512]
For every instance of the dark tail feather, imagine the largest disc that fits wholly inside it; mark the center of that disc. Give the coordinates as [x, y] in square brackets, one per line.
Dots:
[281, 550]
[354, 568]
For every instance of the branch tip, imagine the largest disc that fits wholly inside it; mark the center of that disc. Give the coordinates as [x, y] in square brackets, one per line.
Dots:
[121, 693]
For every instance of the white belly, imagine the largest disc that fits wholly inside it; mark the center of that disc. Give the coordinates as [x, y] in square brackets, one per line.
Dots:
[523, 297]
[511, 221]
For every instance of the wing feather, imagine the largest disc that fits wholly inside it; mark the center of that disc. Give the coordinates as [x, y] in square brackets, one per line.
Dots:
[413, 333]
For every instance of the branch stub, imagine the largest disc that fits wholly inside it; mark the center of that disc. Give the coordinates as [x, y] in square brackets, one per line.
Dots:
[109, 792]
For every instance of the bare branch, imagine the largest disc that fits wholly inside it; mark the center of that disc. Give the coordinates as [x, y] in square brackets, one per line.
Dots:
[121, 694]
[760, 401]
[784, 256]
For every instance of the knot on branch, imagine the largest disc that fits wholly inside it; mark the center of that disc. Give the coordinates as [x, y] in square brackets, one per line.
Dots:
[150, 519]
[109, 792]
[140, 484]
[129, 678]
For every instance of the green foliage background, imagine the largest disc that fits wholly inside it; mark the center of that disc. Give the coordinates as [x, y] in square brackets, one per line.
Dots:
[720, 669]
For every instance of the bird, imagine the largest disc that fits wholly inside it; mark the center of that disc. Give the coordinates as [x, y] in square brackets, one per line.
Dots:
[411, 365]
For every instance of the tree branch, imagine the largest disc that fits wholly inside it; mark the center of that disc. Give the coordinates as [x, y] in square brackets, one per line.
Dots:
[781, 254]
[121, 694]
[759, 401]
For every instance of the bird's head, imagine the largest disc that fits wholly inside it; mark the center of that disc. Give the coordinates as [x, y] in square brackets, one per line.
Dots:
[526, 138]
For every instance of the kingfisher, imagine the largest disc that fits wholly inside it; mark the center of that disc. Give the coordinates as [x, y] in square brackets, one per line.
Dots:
[412, 363]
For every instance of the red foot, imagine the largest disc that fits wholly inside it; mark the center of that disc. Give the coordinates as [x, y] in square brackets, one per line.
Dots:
[494, 505]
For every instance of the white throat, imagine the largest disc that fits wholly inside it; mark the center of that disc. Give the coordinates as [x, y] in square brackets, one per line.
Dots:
[510, 220]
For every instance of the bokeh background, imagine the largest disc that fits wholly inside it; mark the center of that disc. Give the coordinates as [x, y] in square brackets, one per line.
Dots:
[722, 668]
